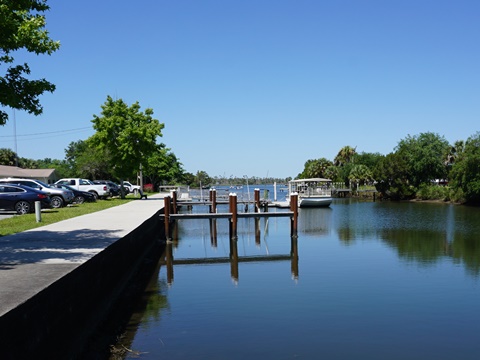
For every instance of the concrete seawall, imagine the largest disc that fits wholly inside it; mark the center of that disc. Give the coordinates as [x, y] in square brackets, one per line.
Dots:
[58, 320]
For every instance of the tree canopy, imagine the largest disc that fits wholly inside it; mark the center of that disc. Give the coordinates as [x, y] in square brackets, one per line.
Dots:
[127, 134]
[425, 156]
[22, 26]
[465, 174]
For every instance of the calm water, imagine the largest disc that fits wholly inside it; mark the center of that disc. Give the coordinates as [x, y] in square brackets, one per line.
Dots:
[366, 281]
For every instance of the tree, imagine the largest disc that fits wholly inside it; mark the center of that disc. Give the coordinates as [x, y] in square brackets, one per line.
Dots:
[8, 157]
[360, 174]
[425, 157]
[163, 166]
[22, 27]
[202, 179]
[315, 168]
[345, 156]
[391, 174]
[368, 159]
[127, 134]
[61, 166]
[465, 173]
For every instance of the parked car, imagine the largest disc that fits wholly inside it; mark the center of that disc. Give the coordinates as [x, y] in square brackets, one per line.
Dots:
[22, 198]
[132, 188]
[59, 197]
[79, 196]
[100, 192]
[113, 187]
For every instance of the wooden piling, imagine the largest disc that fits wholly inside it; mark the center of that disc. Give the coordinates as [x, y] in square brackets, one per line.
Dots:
[213, 199]
[234, 212]
[257, 200]
[294, 255]
[257, 231]
[169, 262]
[234, 259]
[213, 232]
[174, 203]
[294, 209]
[166, 207]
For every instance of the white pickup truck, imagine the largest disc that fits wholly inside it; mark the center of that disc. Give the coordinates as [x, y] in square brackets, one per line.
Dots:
[134, 189]
[100, 191]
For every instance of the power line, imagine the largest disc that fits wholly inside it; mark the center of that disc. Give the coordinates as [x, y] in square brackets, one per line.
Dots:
[47, 133]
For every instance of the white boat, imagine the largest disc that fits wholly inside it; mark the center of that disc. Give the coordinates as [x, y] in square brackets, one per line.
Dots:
[314, 192]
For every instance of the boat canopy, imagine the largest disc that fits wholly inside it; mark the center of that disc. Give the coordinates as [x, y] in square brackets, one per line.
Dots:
[311, 180]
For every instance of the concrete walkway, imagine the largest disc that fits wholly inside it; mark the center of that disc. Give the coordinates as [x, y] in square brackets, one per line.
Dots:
[32, 260]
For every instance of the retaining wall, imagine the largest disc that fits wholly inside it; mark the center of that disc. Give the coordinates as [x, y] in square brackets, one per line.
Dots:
[58, 322]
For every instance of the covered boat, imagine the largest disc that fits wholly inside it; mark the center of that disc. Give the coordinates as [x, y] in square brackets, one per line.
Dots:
[314, 192]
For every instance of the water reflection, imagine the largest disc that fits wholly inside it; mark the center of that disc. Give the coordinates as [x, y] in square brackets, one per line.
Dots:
[421, 232]
[233, 257]
[364, 298]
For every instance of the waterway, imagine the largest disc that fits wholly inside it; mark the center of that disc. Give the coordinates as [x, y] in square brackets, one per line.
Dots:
[364, 280]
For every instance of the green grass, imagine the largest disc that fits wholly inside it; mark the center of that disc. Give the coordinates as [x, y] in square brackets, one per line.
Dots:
[20, 223]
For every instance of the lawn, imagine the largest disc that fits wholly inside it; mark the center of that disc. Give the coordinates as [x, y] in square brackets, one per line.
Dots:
[20, 223]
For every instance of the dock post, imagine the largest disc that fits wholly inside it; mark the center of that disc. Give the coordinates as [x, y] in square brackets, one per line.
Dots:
[166, 207]
[294, 255]
[213, 201]
[257, 231]
[234, 260]
[213, 232]
[256, 194]
[233, 211]
[169, 262]
[210, 199]
[294, 209]
[174, 199]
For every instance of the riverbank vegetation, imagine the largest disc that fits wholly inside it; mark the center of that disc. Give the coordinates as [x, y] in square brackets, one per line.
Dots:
[423, 166]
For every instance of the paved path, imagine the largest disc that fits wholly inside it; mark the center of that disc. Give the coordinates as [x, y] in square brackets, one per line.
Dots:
[32, 260]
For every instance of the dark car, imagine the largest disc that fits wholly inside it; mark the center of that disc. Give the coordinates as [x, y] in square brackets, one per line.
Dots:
[79, 196]
[22, 198]
[113, 187]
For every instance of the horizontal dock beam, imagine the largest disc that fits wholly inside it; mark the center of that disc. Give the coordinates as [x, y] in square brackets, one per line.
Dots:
[228, 215]
[222, 260]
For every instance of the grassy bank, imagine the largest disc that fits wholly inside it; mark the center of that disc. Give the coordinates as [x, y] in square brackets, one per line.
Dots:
[20, 223]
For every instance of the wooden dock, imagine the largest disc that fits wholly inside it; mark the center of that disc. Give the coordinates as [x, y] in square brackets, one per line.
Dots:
[171, 214]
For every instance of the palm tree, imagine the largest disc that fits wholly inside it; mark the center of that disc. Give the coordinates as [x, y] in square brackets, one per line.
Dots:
[345, 155]
[360, 174]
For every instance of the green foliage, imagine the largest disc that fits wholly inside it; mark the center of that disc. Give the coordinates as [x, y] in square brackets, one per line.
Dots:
[391, 174]
[315, 168]
[360, 174]
[127, 135]
[465, 173]
[22, 27]
[433, 192]
[201, 179]
[368, 159]
[345, 156]
[61, 166]
[425, 157]
[163, 167]
[8, 157]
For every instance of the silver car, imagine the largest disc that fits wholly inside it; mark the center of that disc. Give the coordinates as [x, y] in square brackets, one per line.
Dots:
[58, 197]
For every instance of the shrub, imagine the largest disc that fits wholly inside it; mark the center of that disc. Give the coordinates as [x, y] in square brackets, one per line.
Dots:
[433, 192]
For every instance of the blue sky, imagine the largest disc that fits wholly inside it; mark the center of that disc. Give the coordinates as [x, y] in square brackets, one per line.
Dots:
[258, 87]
